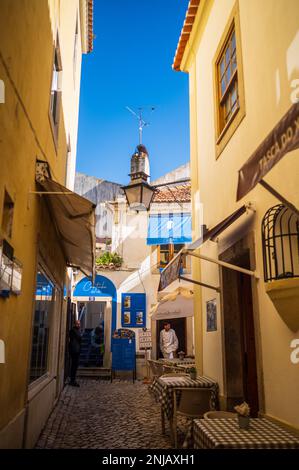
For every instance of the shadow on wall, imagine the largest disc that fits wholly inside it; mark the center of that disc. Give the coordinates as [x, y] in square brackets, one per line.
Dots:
[99, 191]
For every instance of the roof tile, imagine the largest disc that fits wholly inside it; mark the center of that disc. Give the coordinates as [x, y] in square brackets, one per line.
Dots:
[173, 193]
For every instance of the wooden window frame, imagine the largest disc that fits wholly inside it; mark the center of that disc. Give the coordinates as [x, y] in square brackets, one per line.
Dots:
[224, 133]
[171, 255]
[55, 120]
[159, 254]
[7, 216]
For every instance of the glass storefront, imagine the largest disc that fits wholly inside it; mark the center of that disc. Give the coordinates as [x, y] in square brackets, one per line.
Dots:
[91, 315]
[44, 307]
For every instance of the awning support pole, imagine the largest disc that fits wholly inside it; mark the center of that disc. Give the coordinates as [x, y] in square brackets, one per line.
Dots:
[200, 283]
[225, 265]
[276, 194]
[45, 193]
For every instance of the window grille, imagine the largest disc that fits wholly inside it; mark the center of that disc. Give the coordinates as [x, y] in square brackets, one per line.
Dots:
[280, 239]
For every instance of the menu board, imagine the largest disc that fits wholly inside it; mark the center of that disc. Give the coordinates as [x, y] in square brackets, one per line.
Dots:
[145, 339]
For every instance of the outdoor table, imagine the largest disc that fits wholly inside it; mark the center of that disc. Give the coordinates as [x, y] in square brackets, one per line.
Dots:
[185, 367]
[176, 361]
[162, 388]
[226, 434]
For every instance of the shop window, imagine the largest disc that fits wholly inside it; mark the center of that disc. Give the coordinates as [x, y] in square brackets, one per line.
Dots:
[167, 252]
[7, 215]
[6, 268]
[280, 238]
[44, 308]
[228, 78]
[55, 98]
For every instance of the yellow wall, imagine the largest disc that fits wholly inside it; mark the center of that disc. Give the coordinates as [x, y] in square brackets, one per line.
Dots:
[63, 16]
[269, 39]
[25, 134]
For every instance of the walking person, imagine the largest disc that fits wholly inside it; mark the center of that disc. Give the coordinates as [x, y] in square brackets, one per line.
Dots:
[75, 348]
[96, 344]
[169, 342]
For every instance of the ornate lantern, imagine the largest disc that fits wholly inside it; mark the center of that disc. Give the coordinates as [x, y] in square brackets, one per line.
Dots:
[139, 192]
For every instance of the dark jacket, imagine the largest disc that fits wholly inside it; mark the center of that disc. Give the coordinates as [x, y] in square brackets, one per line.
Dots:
[75, 341]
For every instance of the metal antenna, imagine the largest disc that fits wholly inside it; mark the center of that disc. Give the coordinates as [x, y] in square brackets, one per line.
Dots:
[142, 123]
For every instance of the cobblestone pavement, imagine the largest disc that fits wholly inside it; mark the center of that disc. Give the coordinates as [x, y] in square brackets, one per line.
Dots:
[104, 415]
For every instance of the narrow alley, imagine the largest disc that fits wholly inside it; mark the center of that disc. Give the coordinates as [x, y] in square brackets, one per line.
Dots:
[149, 231]
[104, 415]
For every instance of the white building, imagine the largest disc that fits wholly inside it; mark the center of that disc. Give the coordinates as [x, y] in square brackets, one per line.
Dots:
[146, 241]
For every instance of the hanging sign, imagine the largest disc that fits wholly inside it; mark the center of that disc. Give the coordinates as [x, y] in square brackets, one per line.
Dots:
[282, 139]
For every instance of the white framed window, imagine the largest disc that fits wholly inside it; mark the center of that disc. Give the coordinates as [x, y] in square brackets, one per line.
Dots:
[55, 95]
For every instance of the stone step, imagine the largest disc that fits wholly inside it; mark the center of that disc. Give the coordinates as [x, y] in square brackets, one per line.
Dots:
[93, 372]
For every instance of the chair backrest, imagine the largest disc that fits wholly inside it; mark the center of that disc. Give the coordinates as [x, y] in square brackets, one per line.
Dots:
[219, 415]
[151, 366]
[167, 369]
[175, 374]
[193, 402]
[158, 368]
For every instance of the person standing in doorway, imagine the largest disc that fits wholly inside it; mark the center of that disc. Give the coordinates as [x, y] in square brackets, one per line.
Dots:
[168, 341]
[75, 348]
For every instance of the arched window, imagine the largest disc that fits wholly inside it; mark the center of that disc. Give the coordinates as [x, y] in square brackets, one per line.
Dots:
[280, 238]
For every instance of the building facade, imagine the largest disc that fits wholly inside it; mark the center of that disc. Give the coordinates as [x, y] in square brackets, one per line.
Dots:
[243, 79]
[40, 66]
[100, 192]
[124, 294]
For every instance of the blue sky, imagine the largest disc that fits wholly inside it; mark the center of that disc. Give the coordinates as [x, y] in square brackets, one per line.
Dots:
[131, 66]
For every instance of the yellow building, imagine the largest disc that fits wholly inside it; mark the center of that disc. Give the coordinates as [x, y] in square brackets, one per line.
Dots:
[243, 64]
[41, 44]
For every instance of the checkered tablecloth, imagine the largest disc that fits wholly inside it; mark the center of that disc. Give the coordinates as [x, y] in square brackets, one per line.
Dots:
[226, 434]
[162, 388]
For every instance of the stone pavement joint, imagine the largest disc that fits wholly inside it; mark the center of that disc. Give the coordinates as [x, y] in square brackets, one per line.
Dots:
[104, 415]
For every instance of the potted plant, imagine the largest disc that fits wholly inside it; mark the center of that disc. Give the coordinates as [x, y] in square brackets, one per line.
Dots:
[243, 411]
[181, 355]
[109, 261]
[192, 372]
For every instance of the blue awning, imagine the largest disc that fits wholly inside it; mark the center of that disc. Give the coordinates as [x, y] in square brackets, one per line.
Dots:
[169, 228]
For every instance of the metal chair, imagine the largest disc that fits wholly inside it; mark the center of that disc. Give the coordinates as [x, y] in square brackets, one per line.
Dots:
[175, 374]
[191, 403]
[158, 367]
[152, 368]
[167, 369]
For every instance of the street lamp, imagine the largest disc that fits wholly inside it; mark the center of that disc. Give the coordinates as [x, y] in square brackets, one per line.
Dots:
[139, 195]
[139, 192]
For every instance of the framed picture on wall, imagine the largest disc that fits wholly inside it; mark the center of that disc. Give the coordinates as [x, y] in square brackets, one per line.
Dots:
[133, 309]
[127, 301]
[139, 318]
[212, 315]
[127, 318]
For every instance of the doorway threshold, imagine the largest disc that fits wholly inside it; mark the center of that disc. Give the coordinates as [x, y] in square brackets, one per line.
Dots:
[94, 372]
